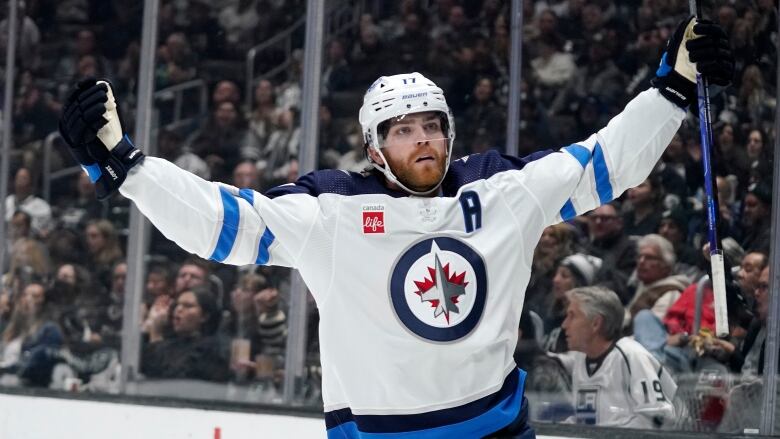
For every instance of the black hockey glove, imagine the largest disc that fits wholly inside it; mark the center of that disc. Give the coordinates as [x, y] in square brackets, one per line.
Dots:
[697, 45]
[90, 126]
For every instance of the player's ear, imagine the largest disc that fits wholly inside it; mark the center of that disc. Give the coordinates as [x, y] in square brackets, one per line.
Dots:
[374, 156]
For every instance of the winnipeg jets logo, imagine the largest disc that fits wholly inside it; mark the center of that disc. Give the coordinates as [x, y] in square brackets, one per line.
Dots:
[442, 291]
[438, 288]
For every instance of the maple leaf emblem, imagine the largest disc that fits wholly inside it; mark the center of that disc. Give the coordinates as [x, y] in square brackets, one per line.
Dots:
[443, 289]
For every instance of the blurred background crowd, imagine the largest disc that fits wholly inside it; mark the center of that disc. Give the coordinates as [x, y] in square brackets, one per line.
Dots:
[583, 60]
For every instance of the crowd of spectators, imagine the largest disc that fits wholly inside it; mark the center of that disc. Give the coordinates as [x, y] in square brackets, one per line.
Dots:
[583, 60]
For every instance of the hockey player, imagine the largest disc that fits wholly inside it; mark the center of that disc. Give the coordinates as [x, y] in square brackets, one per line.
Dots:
[616, 382]
[419, 268]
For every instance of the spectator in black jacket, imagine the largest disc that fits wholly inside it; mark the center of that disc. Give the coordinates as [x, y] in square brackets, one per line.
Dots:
[193, 351]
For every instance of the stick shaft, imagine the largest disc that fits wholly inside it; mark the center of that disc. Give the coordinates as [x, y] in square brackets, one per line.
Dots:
[718, 276]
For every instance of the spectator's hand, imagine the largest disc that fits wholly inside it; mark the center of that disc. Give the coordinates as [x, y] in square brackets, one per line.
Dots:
[679, 339]
[90, 126]
[158, 318]
[266, 299]
[696, 46]
[718, 344]
[719, 349]
[243, 367]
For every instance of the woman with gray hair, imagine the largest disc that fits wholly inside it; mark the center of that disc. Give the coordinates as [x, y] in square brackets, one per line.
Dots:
[658, 286]
[616, 382]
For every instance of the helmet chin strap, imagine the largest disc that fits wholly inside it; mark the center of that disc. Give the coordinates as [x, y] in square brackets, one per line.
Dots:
[388, 173]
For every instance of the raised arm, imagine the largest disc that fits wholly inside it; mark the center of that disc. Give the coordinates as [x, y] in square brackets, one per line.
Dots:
[622, 154]
[214, 221]
[587, 174]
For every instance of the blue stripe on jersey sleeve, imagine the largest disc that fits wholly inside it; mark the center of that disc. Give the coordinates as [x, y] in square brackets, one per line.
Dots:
[603, 186]
[265, 242]
[248, 195]
[567, 211]
[227, 236]
[579, 152]
[493, 419]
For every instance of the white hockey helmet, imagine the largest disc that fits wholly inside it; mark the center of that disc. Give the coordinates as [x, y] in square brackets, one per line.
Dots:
[394, 96]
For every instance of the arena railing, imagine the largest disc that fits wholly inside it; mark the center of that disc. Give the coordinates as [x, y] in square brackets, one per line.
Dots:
[340, 18]
[177, 93]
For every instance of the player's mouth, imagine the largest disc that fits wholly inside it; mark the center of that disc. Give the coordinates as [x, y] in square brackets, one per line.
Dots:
[424, 158]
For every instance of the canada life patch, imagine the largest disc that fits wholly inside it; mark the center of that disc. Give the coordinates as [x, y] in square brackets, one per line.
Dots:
[438, 288]
[373, 218]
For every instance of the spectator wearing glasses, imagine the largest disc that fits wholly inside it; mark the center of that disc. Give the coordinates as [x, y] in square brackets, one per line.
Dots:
[658, 286]
[613, 247]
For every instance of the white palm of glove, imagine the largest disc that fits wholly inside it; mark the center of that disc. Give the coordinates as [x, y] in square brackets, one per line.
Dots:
[111, 133]
[683, 64]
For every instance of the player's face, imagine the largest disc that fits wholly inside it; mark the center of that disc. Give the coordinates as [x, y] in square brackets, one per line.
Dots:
[416, 150]
[188, 315]
[579, 329]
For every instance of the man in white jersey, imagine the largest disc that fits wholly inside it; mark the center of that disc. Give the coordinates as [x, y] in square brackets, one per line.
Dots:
[418, 268]
[616, 382]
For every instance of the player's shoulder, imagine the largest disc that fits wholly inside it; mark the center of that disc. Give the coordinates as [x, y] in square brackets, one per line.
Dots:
[481, 166]
[334, 181]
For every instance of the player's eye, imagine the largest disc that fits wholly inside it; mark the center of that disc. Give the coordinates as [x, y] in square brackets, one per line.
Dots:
[432, 126]
[403, 131]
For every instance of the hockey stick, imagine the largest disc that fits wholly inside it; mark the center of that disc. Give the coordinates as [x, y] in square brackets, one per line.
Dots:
[716, 255]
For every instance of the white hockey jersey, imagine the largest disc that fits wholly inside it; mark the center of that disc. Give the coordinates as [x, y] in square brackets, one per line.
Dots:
[419, 298]
[626, 387]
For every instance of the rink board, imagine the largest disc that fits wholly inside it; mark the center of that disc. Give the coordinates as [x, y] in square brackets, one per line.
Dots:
[26, 417]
